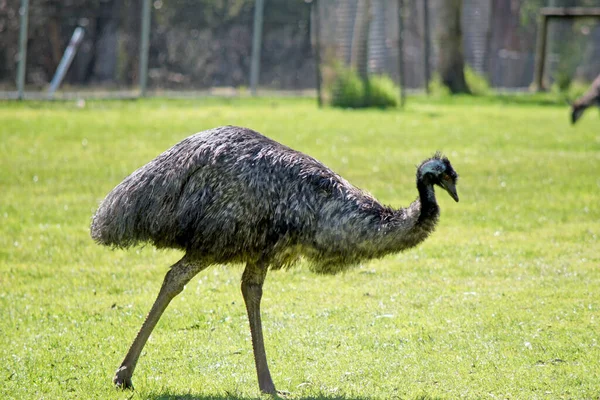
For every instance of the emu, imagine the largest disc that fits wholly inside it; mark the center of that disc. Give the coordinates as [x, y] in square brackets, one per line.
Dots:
[590, 97]
[231, 195]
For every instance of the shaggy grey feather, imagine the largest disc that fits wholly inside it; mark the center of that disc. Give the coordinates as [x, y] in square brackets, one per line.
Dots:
[230, 194]
[589, 98]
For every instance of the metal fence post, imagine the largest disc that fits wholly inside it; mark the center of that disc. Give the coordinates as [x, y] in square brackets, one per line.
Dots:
[401, 52]
[259, 6]
[540, 53]
[317, 50]
[24, 19]
[426, 45]
[144, 46]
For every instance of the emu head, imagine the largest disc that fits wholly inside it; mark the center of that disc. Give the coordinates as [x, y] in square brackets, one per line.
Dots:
[438, 171]
[577, 110]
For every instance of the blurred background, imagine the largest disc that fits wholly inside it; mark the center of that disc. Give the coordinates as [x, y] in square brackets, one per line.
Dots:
[207, 45]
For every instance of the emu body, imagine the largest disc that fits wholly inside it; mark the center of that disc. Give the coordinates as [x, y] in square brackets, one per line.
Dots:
[590, 97]
[232, 195]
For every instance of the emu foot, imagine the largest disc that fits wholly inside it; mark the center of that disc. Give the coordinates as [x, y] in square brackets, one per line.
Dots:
[122, 379]
[276, 394]
[266, 386]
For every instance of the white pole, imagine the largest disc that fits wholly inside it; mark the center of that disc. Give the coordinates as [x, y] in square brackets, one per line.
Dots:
[66, 60]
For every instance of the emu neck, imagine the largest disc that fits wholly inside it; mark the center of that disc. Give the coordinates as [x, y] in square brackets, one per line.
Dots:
[371, 230]
[429, 206]
[414, 224]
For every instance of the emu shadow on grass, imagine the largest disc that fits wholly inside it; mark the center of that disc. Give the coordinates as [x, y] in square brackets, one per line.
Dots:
[229, 396]
[232, 195]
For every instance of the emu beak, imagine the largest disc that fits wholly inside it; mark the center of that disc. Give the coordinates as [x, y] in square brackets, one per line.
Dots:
[451, 189]
[576, 113]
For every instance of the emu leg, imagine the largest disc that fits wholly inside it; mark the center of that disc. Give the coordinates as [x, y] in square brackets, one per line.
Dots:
[177, 277]
[252, 282]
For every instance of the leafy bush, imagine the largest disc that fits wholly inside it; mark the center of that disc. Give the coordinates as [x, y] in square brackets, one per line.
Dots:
[381, 92]
[562, 81]
[437, 87]
[575, 89]
[349, 91]
[476, 82]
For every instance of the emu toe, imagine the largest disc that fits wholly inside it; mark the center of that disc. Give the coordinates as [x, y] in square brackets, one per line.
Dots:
[122, 379]
[267, 387]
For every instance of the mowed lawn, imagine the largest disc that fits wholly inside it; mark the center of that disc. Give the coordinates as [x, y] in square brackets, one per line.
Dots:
[501, 302]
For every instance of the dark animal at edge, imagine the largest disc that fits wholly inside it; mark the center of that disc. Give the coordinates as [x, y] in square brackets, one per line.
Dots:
[590, 97]
[232, 195]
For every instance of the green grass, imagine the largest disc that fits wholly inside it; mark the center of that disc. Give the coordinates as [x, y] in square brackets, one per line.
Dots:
[503, 301]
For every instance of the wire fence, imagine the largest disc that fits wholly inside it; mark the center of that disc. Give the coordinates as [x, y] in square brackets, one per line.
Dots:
[193, 45]
[499, 41]
[206, 46]
[568, 46]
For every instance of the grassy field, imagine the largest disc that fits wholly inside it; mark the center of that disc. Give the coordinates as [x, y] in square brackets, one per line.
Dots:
[502, 302]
